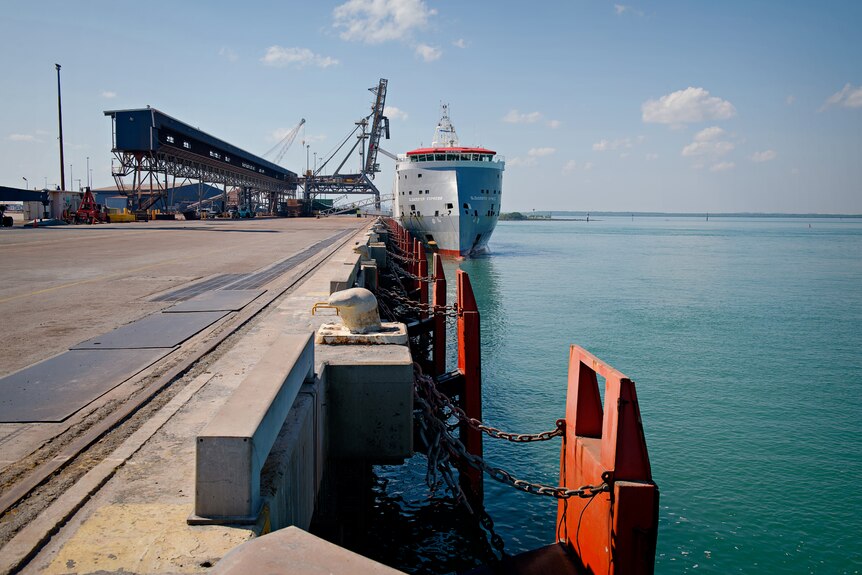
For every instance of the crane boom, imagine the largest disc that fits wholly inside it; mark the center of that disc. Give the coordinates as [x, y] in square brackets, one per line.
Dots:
[379, 126]
[284, 144]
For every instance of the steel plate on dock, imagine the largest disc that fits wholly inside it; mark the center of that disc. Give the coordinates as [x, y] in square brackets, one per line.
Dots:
[157, 330]
[190, 291]
[219, 300]
[58, 387]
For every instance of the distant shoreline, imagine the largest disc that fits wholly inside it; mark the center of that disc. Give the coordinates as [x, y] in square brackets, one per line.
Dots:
[583, 216]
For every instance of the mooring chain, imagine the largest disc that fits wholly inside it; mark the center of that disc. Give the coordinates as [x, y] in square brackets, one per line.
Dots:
[448, 311]
[445, 440]
[426, 279]
[441, 400]
[404, 258]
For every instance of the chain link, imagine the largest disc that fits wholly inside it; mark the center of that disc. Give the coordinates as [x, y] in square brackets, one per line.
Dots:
[436, 421]
[403, 258]
[403, 272]
[448, 311]
[441, 399]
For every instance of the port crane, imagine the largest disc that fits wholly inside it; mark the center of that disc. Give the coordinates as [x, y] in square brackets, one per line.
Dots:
[367, 133]
[283, 145]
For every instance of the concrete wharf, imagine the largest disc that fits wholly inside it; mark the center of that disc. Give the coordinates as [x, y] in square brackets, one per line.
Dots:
[122, 502]
[190, 411]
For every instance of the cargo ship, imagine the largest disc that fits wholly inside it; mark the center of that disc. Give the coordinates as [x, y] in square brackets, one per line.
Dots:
[447, 195]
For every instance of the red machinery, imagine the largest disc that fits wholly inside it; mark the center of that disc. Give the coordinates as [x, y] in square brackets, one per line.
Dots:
[89, 212]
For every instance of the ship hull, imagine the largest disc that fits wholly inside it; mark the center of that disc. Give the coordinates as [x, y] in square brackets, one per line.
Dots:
[454, 204]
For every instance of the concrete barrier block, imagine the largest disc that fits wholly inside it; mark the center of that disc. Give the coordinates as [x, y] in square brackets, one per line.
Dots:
[232, 448]
[345, 277]
[370, 401]
[292, 550]
[377, 252]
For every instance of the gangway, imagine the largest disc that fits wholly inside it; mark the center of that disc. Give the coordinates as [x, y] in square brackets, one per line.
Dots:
[342, 209]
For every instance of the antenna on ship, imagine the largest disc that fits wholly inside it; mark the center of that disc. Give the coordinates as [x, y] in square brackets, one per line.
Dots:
[444, 134]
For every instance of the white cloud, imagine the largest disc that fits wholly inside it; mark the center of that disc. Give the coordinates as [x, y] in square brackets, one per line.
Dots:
[621, 9]
[605, 145]
[228, 54]
[686, 106]
[428, 53]
[572, 166]
[848, 97]
[518, 161]
[279, 57]
[539, 152]
[460, 43]
[394, 113]
[313, 138]
[378, 21]
[722, 167]
[709, 142]
[108, 95]
[764, 156]
[515, 117]
[23, 138]
[554, 124]
[652, 156]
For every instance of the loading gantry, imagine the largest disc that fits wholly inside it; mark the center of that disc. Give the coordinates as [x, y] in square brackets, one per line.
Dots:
[316, 182]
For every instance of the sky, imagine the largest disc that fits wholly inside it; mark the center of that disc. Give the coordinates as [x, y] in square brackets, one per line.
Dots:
[672, 106]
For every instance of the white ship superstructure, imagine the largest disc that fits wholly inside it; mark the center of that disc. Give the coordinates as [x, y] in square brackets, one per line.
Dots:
[449, 194]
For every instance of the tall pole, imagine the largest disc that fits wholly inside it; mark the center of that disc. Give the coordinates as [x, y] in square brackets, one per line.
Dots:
[87, 175]
[60, 115]
[26, 183]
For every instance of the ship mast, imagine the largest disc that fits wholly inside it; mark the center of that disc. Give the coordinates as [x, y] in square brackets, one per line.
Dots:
[444, 134]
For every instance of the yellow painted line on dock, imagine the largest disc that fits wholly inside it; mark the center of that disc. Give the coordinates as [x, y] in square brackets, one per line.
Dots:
[145, 538]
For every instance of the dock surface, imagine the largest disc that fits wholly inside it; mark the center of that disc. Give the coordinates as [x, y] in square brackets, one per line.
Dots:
[68, 290]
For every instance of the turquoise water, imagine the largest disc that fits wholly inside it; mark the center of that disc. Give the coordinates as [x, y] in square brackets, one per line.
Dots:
[744, 338]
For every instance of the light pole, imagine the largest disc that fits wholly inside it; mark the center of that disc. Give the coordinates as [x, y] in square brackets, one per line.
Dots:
[307, 148]
[71, 178]
[90, 184]
[87, 175]
[60, 116]
[315, 162]
[26, 183]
